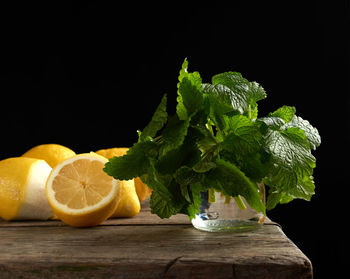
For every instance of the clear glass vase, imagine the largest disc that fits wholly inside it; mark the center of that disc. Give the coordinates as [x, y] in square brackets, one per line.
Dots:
[222, 214]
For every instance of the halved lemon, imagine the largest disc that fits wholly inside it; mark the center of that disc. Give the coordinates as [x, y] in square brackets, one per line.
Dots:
[80, 193]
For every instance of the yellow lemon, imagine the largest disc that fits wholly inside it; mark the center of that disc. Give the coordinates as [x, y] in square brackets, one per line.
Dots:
[22, 189]
[142, 190]
[129, 204]
[111, 152]
[80, 193]
[52, 153]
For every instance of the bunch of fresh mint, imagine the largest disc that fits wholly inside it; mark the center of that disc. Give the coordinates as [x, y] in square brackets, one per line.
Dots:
[217, 141]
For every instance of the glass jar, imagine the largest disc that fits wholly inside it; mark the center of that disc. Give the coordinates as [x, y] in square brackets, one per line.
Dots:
[224, 214]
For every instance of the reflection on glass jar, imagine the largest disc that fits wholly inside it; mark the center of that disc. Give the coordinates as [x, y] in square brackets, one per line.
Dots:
[219, 213]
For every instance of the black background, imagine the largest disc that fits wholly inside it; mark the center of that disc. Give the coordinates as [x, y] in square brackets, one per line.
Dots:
[89, 75]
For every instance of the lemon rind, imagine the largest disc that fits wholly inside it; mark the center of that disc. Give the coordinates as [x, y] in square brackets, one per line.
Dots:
[35, 204]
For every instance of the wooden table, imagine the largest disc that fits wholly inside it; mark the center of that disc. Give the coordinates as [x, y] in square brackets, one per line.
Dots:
[146, 247]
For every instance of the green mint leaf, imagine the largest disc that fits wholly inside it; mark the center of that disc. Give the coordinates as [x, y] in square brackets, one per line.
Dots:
[217, 108]
[193, 207]
[270, 122]
[185, 91]
[255, 92]
[164, 208]
[284, 118]
[310, 132]
[209, 148]
[207, 141]
[194, 77]
[166, 199]
[186, 176]
[191, 187]
[253, 111]
[305, 189]
[275, 198]
[233, 182]
[187, 154]
[200, 117]
[183, 71]
[285, 113]
[256, 166]
[159, 119]
[231, 93]
[192, 97]
[224, 100]
[291, 159]
[185, 192]
[205, 164]
[157, 182]
[243, 136]
[174, 134]
[180, 107]
[134, 164]
[242, 92]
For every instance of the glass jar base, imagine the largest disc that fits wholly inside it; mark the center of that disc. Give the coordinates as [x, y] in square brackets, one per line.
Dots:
[225, 225]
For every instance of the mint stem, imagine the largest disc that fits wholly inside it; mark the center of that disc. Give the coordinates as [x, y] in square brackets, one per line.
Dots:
[212, 197]
[227, 199]
[239, 202]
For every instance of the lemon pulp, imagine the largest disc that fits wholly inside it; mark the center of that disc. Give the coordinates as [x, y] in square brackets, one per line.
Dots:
[80, 184]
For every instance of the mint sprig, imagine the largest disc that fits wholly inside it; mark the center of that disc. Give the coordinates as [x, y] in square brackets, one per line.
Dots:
[217, 141]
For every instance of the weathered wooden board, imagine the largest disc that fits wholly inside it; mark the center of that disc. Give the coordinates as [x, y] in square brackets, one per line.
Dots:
[147, 248]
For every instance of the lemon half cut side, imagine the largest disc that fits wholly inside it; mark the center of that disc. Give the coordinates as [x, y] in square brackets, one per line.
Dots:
[80, 193]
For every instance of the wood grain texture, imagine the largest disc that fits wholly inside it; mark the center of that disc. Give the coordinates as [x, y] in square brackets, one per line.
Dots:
[148, 248]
